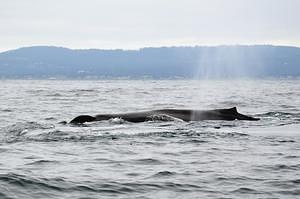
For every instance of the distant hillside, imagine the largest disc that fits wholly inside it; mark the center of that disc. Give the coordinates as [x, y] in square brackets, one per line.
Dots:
[165, 62]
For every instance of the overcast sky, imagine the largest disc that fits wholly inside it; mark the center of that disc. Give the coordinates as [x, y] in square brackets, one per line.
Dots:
[131, 24]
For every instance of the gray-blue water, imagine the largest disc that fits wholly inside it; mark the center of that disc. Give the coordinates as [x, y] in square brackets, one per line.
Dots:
[40, 158]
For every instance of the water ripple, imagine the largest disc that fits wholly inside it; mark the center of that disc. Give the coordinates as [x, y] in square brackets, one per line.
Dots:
[41, 158]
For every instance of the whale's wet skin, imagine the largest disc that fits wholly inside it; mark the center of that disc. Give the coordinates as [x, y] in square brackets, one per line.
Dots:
[162, 157]
[162, 114]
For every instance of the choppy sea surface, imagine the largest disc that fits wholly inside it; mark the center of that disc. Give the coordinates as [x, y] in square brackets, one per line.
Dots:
[43, 158]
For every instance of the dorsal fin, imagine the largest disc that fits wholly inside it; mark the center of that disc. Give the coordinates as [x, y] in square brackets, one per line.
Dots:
[233, 109]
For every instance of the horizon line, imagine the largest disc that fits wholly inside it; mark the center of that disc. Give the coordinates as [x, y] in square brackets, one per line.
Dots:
[145, 47]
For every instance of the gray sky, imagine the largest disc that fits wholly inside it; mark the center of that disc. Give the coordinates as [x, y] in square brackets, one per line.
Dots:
[131, 24]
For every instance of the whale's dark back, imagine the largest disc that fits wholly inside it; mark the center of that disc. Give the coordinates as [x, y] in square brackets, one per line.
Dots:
[82, 119]
[232, 110]
[183, 114]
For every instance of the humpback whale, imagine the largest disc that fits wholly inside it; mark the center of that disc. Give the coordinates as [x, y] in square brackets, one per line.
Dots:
[182, 114]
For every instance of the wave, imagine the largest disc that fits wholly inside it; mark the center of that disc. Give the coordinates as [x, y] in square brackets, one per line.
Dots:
[246, 190]
[163, 174]
[82, 90]
[118, 129]
[280, 115]
[278, 118]
[16, 131]
[147, 161]
[280, 167]
[40, 162]
[117, 121]
[6, 110]
[112, 130]
[55, 185]
[30, 182]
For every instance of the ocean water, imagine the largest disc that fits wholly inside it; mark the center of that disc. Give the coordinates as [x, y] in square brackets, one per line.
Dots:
[43, 158]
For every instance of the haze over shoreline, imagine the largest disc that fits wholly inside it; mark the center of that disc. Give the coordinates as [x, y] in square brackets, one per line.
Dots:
[151, 46]
[196, 62]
